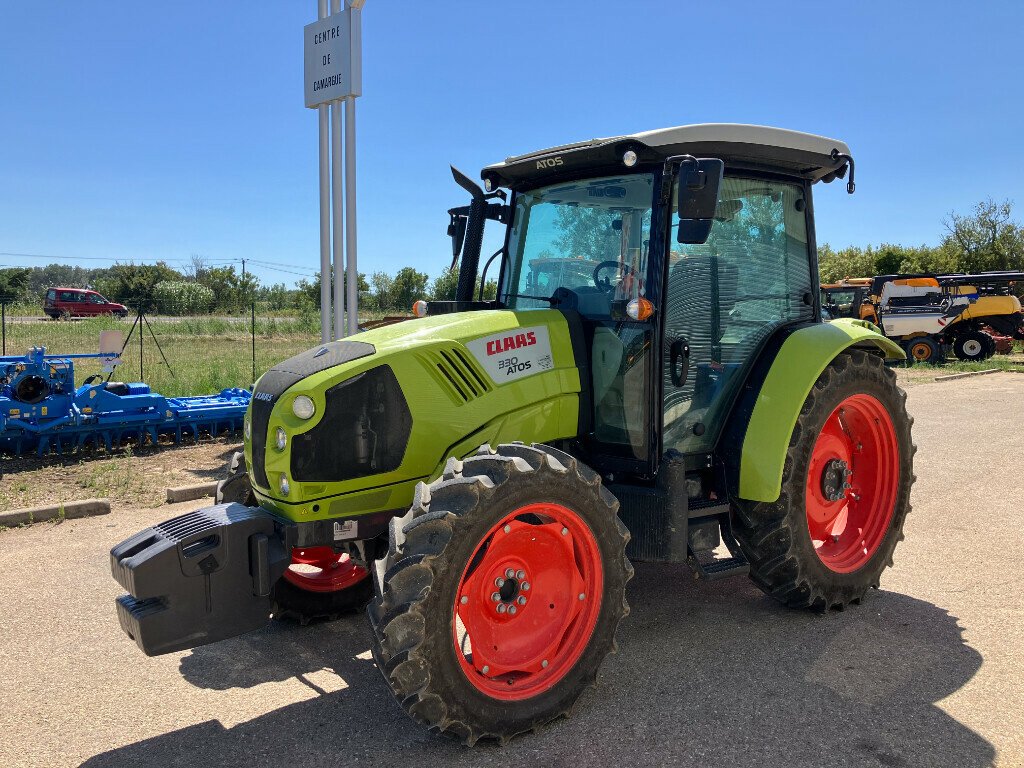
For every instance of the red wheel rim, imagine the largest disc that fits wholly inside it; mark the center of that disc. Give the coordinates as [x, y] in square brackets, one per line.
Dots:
[321, 569]
[848, 519]
[528, 602]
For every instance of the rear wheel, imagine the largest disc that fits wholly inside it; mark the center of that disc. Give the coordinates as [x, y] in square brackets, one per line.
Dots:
[923, 349]
[845, 491]
[973, 346]
[501, 592]
[236, 486]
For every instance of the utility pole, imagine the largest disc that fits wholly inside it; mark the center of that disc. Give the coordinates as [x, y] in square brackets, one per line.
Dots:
[243, 267]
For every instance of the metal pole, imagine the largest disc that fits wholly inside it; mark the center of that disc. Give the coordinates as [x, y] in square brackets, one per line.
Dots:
[141, 376]
[325, 211]
[352, 275]
[337, 220]
[252, 306]
[3, 324]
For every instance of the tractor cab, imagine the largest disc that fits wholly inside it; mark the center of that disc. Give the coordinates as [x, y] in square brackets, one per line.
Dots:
[672, 305]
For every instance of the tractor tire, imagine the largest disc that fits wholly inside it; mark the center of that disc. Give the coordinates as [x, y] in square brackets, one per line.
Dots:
[334, 588]
[823, 543]
[236, 486]
[973, 346]
[924, 349]
[446, 634]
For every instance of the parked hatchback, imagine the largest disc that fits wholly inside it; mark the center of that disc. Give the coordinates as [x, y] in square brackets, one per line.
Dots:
[79, 302]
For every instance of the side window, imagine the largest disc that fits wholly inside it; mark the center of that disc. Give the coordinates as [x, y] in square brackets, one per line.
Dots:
[68, 296]
[51, 295]
[726, 297]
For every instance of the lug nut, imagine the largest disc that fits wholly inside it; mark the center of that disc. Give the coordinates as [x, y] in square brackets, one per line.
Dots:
[499, 582]
[510, 573]
[512, 610]
[521, 600]
[486, 669]
[502, 608]
[520, 574]
[495, 596]
[525, 586]
[544, 663]
[582, 596]
[565, 531]
[507, 528]
[464, 600]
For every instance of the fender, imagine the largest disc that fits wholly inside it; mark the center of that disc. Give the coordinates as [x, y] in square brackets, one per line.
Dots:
[799, 363]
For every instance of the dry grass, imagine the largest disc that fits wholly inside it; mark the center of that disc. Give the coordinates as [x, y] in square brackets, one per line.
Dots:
[128, 478]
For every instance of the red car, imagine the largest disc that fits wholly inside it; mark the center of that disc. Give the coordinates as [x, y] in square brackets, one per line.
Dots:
[79, 302]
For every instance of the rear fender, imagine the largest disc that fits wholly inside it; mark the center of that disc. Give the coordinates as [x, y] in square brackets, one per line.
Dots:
[800, 361]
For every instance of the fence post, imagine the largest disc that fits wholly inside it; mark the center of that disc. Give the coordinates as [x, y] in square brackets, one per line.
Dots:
[252, 308]
[141, 375]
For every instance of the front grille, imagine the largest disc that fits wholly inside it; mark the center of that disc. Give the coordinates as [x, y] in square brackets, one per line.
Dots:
[364, 431]
[259, 415]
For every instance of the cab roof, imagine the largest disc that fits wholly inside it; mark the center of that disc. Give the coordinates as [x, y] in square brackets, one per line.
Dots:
[750, 147]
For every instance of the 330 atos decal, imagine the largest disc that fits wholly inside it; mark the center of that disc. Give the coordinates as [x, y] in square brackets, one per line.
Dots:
[513, 354]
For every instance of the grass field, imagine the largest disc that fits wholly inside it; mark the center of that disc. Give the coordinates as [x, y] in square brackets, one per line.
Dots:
[203, 354]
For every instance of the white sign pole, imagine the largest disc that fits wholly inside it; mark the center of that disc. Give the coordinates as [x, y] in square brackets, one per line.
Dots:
[356, 54]
[337, 207]
[326, 333]
[333, 74]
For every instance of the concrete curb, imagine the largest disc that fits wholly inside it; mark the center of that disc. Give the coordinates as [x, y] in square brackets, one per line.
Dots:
[191, 492]
[952, 376]
[69, 511]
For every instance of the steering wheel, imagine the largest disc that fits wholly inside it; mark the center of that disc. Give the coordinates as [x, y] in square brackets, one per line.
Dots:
[605, 284]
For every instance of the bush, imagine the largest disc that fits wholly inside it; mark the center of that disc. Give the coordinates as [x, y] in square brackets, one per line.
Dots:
[178, 297]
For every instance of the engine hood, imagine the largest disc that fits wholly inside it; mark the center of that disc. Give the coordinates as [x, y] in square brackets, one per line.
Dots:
[392, 404]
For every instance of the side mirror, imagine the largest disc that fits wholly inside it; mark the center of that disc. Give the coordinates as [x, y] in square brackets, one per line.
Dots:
[699, 181]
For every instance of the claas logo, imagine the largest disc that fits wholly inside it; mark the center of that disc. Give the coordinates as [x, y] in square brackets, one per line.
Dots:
[518, 341]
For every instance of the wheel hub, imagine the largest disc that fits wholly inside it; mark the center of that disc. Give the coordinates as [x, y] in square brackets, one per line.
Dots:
[835, 479]
[526, 606]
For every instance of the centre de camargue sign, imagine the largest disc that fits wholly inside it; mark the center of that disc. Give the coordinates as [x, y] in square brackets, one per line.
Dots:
[332, 59]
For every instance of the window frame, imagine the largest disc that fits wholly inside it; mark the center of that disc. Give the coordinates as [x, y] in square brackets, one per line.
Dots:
[704, 459]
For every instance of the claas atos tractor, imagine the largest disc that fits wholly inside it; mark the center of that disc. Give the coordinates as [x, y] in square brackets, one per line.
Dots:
[653, 382]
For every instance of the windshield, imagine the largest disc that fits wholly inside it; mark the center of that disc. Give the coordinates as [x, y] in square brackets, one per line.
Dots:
[590, 237]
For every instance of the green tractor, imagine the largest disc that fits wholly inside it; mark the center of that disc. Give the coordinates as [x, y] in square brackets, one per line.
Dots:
[483, 475]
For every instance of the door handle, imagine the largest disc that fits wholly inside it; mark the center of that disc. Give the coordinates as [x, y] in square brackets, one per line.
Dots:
[679, 361]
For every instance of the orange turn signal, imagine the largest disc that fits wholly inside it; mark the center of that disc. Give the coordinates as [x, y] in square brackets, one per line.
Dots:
[419, 308]
[640, 309]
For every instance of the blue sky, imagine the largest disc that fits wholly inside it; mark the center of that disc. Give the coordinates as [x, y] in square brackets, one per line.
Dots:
[140, 131]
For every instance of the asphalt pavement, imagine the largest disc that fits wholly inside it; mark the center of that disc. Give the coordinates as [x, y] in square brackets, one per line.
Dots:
[927, 672]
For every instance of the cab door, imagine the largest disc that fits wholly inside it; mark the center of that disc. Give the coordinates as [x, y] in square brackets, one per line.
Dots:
[725, 298]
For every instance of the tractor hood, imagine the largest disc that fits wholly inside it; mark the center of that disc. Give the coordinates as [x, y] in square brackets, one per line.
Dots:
[389, 406]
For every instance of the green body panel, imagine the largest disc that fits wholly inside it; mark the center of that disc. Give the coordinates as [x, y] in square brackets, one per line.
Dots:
[800, 361]
[538, 407]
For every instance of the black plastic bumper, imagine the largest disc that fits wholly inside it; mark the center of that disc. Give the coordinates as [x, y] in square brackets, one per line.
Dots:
[199, 578]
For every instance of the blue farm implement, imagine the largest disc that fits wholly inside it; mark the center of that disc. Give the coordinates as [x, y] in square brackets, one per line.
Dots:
[41, 409]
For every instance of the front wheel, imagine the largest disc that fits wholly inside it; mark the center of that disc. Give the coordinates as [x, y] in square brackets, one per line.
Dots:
[845, 491]
[501, 593]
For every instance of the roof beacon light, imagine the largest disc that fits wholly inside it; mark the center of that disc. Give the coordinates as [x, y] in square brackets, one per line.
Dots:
[419, 308]
[640, 309]
[629, 158]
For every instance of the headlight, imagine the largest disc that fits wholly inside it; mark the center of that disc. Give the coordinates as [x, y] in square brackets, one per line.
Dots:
[284, 485]
[280, 439]
[248, 430]
[303, 407]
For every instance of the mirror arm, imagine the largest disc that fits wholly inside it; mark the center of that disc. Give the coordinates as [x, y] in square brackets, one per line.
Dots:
[837, 156]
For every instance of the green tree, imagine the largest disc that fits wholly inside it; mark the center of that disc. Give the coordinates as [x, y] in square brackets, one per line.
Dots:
[182, 297]
[310, 289]
[445, 285]
[13, 283]
[408, 286]
[986, 239]
[133, 284]
[586, 232]
[232, 290]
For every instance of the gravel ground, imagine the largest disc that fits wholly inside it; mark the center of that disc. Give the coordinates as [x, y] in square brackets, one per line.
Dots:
[927, 672]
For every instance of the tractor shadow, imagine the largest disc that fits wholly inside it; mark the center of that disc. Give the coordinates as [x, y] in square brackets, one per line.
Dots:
[706, 674]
